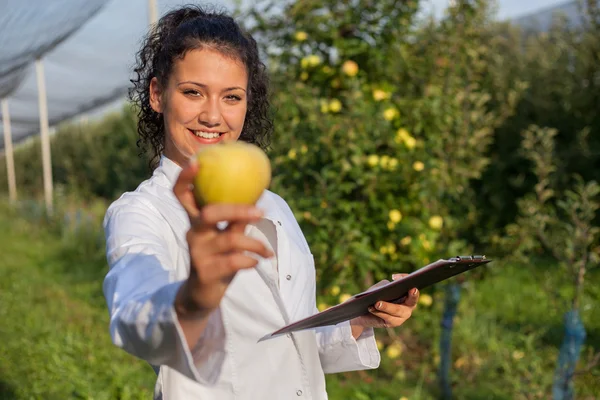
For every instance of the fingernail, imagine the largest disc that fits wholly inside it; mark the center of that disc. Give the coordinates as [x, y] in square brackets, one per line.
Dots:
[395, 276]
[379, 304]
[371, 309]
[414, 292]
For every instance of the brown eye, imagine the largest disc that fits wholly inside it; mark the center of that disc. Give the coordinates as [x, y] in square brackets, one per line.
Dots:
[191, 92]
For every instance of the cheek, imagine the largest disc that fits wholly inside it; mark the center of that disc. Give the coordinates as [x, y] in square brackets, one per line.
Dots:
[180, 110]
[236, 117]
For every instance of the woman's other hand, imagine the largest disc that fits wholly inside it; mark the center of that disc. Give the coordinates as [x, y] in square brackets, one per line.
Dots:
[384, 314]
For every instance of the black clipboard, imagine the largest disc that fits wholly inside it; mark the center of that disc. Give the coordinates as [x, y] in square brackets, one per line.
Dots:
[394, 292]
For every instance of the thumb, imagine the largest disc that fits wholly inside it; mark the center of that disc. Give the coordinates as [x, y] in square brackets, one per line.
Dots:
[183, 192]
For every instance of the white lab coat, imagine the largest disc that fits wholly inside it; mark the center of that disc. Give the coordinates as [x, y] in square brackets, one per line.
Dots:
[148, 258]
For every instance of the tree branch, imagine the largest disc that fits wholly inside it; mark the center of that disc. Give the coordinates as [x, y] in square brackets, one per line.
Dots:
[546, 244]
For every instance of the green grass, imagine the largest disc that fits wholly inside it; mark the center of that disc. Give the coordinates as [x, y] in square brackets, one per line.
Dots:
[54, 331]
[55, 342]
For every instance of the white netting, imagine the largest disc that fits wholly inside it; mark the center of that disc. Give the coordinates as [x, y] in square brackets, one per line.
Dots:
[30, 29]
[89, 48]
[542, 19]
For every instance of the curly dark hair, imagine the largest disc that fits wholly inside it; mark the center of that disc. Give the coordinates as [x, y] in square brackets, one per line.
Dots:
[181, 30]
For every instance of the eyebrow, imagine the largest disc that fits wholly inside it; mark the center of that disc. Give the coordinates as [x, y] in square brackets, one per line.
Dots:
[205, 86]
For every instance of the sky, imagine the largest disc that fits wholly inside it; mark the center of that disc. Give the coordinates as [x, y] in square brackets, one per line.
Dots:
[507, 9]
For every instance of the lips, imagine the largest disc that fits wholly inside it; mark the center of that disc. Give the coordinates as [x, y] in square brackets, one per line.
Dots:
[208, 137]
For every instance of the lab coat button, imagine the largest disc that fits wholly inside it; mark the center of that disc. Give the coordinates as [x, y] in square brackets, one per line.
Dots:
[288, 277]
[299, 393]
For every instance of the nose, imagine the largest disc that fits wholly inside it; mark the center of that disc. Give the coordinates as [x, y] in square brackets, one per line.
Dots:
[210, 114]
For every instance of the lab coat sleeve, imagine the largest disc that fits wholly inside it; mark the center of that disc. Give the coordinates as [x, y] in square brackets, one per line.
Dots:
[140, 290]
[340, 352]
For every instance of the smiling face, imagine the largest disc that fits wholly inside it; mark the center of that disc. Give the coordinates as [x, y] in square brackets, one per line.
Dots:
[204, 102]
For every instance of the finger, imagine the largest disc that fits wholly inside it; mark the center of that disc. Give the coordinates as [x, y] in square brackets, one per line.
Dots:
[412, 299]
[395, 277]
[401, 300]
[212, 214]
[183, 192]
[224, 267]
[230, 241]
[373, 321]
[237, 227]
[396, 310]
[388, 321]
[232, 263]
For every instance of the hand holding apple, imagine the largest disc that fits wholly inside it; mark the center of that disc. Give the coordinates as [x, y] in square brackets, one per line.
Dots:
[222, 184]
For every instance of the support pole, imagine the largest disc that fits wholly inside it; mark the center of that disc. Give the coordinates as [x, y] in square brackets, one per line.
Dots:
[44, 133]
[152, 12]
[8, 153]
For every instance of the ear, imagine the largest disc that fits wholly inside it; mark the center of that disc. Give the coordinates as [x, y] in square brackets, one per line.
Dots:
[156, 96]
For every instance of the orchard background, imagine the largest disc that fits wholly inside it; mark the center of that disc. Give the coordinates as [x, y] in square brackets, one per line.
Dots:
[399, 140]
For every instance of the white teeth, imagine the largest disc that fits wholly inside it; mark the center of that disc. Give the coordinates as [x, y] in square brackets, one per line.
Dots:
[207, 135]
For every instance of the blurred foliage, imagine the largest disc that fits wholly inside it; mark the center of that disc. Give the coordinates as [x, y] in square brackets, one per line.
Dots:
[562, 69]
[563, 228]
[382, 123]
[562, 225]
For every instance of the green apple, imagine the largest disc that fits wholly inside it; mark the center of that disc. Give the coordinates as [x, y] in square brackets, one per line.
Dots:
[232, 173]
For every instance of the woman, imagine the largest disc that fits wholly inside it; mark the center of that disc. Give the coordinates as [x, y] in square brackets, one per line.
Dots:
[187, 296]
